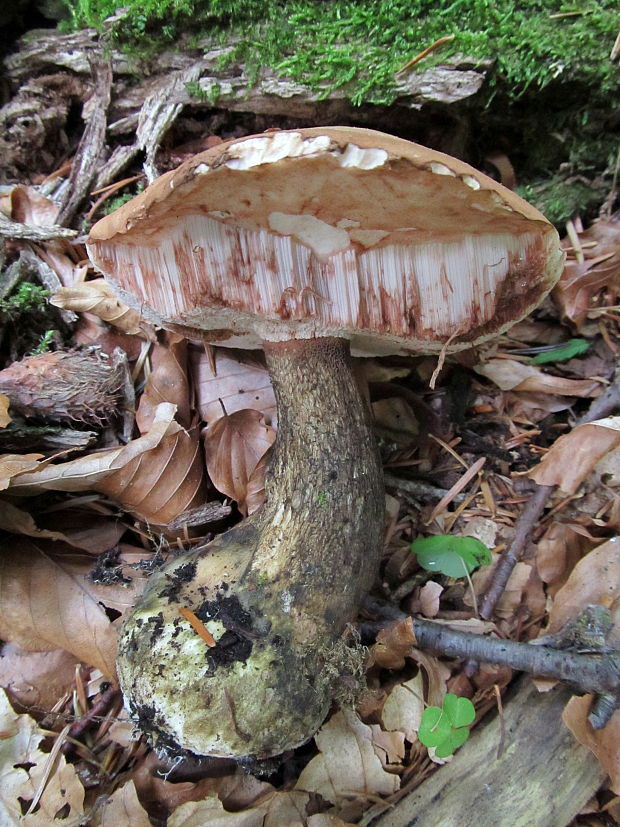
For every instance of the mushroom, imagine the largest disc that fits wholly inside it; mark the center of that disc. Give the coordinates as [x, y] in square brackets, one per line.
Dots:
[306, 243]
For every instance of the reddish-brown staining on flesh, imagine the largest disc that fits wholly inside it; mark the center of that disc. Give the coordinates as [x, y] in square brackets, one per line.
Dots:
[517, 293]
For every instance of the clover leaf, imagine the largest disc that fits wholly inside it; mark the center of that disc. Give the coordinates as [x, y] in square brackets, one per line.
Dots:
[446, 728]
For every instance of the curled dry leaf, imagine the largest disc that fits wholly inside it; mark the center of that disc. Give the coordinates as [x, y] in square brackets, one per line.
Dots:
[167, 382]
[36, 679]
[240, 381]
[99, 298]
[5, 418]
[393, 645]
[12, 465]
[277, 809]
[594, 580]
[347, 762]
[157, 476]
[122, 807]
[573, 456]
[604, 743]
[510, 375]
[45, 606]
[28, 206]
[234, 446]
[404, 707]
[23, 769]
[600, 269]
[558, 551]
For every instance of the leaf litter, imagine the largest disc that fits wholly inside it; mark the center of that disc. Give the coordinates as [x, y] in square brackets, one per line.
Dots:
[204, 422]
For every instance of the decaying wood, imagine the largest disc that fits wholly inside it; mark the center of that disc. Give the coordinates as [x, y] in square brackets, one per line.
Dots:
[91, 146]
[50, 71]
[27, 232]
[541, 777]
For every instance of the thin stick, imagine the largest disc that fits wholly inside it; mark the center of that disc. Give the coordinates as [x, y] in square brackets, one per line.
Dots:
[523, 530]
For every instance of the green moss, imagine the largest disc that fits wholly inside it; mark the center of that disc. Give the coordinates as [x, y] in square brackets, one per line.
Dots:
[360, 44]
[560, 199]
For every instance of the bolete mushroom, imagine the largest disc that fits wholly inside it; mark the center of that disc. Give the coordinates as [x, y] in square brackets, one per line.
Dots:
[303, 242]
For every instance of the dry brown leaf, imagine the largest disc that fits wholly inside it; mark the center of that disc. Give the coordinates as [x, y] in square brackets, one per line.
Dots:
[98, 297]
[429, 598]
[594, 580]
[17, 521]
[90, 330]
[36, 679]
[5, 417]
[238, 790]
[388, 746]
[347, 762]
[234, 446]
[581, 281]
[45, 606]
[255, 493]
[393, 645]
[558, 551]
[157, 476]
[122, 808]
[510, 375]
[167, 382]
[573, 456]
[28, 206]
[241, 381]
[211, 812]
[23, 769]
[534, 406]
[512, 596]
[164, 482]
[85, 472]
[604, 743]
[395, 416]
[404, 707]
[437, 676]
[12, 465]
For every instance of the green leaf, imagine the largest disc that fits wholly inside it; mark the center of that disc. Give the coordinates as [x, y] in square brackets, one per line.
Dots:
[445, 728]
[435, 727]
[455, 740]
[460, 711]
[564, 351]
[449, 555]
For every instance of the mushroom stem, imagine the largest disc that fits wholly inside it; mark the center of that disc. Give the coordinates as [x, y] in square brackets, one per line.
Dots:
[274, 593]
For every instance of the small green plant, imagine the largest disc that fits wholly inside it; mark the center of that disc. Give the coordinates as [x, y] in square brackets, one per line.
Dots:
[45, 343]
[449, 555]
[25, 298]
[562, 352]
[446, 727]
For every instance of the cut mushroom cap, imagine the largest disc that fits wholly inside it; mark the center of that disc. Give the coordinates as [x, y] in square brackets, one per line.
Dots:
[330, 231]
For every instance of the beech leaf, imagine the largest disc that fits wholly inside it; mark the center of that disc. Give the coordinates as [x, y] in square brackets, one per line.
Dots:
[573, 456]
[23, 767]
[347, 761]
[99, 298]
[234, 446]
[44, 606]
[240, 381]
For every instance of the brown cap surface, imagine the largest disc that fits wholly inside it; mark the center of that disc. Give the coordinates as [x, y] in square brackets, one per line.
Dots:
[330, 231]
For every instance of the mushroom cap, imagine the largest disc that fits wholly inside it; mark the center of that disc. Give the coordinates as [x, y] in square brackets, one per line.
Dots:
[329, 231]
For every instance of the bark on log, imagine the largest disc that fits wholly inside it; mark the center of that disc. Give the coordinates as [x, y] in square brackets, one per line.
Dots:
[542, 778]
[51, 71]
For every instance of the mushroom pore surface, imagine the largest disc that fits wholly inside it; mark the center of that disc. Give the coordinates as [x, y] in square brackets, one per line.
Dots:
[277, 591]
